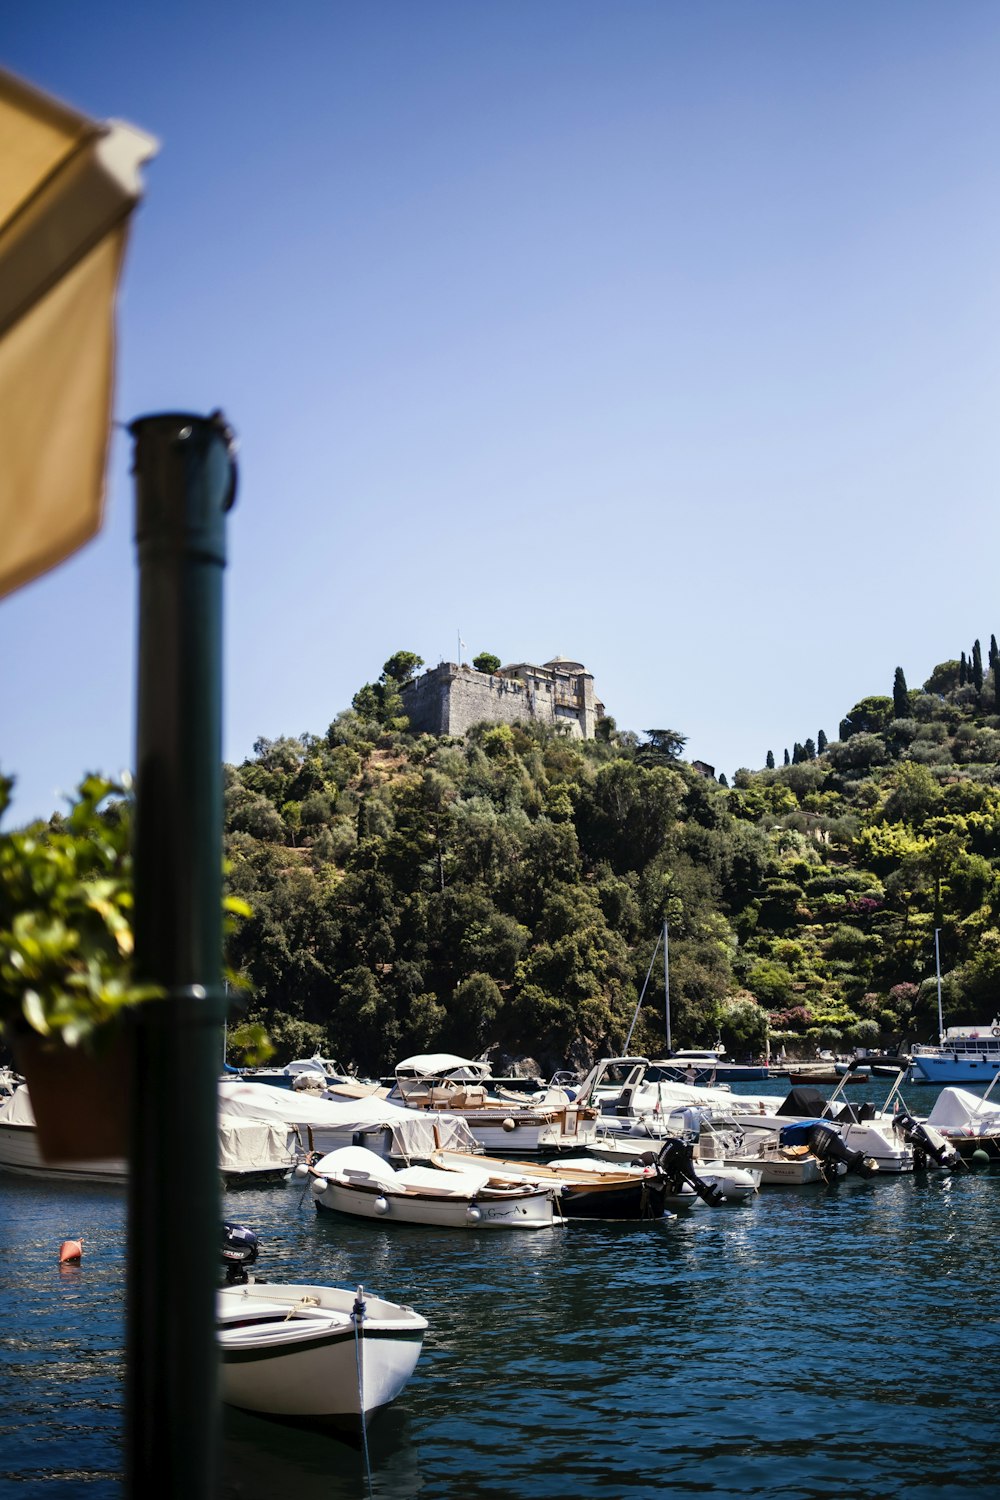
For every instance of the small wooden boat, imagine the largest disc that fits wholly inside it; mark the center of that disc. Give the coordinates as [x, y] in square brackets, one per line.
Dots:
[320, 1354]
[355, 1181]
[584, 1188]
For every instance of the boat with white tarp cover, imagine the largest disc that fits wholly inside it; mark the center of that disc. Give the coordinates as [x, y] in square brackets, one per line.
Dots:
[327, 1124]
[251, 1150]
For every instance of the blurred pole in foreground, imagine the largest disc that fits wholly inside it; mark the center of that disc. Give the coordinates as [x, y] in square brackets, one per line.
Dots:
[185, 484]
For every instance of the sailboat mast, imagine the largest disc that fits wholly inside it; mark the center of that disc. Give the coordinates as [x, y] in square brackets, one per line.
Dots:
[666, 982]
[937, 965]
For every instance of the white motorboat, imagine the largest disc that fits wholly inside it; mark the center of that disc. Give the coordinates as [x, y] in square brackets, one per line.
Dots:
[20, 1151]
[674, 1154]
[307, 1353]
[251, 1150]
[779, 1164]
[865, 1134]
[356, 1181]
[316, 1072]
[549, 1122]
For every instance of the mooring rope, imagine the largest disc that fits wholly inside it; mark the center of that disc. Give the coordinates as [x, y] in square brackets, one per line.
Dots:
[358, 1313]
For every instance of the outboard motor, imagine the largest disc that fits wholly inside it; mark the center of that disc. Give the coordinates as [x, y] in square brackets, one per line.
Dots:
[825, 1142]
[923, 1143]
[239, 1250]
[674, 1163]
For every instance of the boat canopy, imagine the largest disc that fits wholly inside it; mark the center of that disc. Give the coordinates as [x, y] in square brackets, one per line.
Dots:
[16, 1109]
[441, 1065]
[803, 1102]
[263, 1101]
[956, 1108]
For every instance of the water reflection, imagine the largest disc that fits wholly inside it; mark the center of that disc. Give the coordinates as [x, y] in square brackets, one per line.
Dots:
[804, 1344]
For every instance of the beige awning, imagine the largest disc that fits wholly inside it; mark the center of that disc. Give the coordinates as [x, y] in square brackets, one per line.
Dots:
[67, 188]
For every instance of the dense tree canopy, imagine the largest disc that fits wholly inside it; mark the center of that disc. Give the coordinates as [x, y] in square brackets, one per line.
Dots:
[503, 892]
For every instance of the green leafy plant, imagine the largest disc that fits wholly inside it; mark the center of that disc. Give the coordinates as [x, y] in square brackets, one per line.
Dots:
[66, 918]
[66, 904]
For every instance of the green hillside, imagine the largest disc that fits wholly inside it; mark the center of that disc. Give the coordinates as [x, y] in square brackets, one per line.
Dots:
[505, 891]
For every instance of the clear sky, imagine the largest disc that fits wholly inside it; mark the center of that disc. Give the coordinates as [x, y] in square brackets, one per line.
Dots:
[660, 335]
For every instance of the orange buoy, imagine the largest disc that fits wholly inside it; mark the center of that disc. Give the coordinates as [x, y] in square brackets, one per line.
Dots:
[70, 1250]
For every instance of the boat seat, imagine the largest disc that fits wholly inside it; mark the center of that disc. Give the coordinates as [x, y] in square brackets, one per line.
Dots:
[434, 1180]
[446, 1096]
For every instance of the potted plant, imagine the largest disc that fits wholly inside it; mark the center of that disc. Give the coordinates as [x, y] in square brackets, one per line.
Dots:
[65, 968]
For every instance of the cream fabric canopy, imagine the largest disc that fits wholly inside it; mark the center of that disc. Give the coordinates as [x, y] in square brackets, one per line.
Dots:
[67, 188]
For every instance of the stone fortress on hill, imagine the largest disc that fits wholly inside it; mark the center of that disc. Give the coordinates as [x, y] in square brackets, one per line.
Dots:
[450, 698]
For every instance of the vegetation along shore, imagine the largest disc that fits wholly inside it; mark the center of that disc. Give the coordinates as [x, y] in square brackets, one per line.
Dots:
[502, 890]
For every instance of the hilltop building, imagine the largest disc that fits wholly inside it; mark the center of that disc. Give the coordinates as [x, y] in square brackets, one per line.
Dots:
[450, 698]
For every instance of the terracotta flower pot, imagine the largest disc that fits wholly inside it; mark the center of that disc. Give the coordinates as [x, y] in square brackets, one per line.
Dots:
[79, 1098]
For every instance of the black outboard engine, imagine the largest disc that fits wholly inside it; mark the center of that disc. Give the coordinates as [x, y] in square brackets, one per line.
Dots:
[825, 1142]
[924, 1147]
[675, 1164]
[239, 1250]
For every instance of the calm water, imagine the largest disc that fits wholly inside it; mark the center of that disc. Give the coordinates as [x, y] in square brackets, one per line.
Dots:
[821, 1342]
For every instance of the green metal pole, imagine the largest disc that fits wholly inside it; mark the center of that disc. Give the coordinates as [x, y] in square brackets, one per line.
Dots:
[185, 484]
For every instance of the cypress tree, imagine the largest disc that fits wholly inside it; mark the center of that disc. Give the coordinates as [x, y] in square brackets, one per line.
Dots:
[798, 754]
[993, 651]
[962, 671]
[900, 697]
[770, 760]
[977, 667]
[808, 750]
[787, 759]
[722, 779]
[821, 743]
[996, 687]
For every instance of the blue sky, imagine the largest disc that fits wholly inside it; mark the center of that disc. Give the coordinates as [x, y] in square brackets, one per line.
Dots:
[658, 335]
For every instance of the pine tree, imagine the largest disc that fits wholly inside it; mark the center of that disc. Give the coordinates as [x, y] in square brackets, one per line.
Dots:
[821, 742]
[770, 760]
[787, 759]
[963, 671]
[977, 667]
[900, 696]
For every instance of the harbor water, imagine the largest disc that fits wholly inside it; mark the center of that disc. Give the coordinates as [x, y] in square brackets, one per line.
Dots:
[817, 1342]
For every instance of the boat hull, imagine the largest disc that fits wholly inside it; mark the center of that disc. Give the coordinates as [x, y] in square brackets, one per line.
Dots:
[779, 1170]
[298, 1353]
[952, 1070]
[523, 1211]
[21, 1153]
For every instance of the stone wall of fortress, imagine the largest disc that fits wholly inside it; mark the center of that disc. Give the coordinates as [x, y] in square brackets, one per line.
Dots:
[449, 699]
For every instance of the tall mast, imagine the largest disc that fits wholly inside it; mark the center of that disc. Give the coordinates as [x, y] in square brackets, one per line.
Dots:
[937, 965]
[666, 982]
